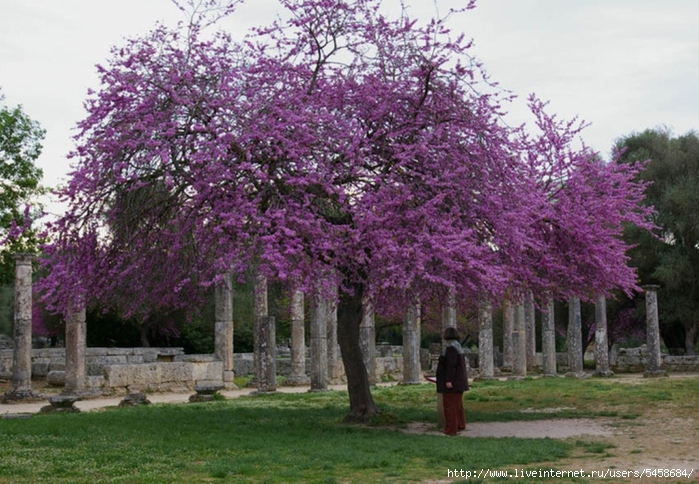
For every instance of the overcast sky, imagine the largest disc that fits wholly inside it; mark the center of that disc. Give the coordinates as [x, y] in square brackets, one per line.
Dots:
[621, 65]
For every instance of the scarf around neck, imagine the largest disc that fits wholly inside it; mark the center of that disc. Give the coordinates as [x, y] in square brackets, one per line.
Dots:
[454, 344]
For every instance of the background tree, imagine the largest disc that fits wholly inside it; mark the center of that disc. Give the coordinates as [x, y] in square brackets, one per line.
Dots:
[339, 147]
[20, 146]
[670, 255]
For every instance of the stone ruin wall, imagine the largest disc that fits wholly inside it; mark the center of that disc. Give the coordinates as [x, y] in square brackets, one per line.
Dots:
[116, 370]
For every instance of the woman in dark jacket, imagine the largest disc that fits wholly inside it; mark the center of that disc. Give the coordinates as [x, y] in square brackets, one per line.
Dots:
[452, 382]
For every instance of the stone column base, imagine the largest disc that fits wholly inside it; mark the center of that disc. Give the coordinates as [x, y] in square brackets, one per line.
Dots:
[604, 374]
[21, 395]
[228, 377]
[61, 403]
[580, 375]
[297, 381]
[134, 399]
[206, 392]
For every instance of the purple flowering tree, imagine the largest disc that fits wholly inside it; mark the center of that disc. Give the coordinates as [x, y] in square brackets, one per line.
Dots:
[339, 147]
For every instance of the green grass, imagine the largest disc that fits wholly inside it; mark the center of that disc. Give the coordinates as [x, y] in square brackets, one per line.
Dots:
[280, 438]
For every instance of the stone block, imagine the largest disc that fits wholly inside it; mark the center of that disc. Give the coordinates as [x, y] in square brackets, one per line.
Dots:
[175, 372]
[40, 366]
[61, 403]
[94, 381]
[130, 376]
[56, 378]
[134, 399]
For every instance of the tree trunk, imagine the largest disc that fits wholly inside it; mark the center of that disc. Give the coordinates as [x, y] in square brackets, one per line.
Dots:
[690, 338]
[143, 330]
[349, 319]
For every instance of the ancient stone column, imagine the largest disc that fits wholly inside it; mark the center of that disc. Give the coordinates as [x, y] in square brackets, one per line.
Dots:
[265, 339]
[508, 321]
[486, 368]
[601, 340]
[223, 295]
[267, 349]
[548, 338]
[334, 362]
[519, 343]
[367, 335]
[574, 339]
[449, 311]
[76, 351]
[319, 344]
[411, 345]
[654, 362]
[22, 356]
[530, 328]
[298, 342]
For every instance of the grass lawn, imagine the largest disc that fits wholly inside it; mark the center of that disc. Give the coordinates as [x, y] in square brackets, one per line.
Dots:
[301, 438]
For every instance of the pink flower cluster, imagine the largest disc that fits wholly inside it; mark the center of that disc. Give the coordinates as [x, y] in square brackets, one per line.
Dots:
[340, 145]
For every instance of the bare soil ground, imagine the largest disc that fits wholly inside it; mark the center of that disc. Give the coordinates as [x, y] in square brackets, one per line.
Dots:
[664, 437]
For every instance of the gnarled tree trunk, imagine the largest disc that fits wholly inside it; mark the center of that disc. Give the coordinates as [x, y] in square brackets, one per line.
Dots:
[349, 319]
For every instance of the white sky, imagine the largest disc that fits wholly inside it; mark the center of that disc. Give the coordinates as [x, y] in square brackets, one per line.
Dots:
[622, 65]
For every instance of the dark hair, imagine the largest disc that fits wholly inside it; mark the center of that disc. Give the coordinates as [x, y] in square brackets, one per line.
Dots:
[451, 333]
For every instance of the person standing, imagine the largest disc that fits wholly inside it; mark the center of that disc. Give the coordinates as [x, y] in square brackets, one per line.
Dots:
[452, 382]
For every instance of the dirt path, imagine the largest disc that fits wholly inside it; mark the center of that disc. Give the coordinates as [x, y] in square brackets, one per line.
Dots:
[664, 437]
[661, 438]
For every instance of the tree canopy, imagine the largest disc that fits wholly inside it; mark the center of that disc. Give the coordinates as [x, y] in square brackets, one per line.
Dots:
[338, 146]
[20, 146]
[670, 255]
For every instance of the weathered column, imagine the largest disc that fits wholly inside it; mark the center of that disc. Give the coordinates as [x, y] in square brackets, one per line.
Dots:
[486, 368]
[601, 340]
[654, 362]
[223, 344]
[22, 356]
[574, 339]
[508, 321]
[334, 362]
[265, 340]
[367, 335]
[319, 344]
[411, 345]
[448, 321]
[530, 328]
[449, 311]
[519, 343]
[548, 338]
[298, 375]
[76, 350]
[267, 375]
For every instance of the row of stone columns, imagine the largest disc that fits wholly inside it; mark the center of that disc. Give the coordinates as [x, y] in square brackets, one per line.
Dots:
[518, 338]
